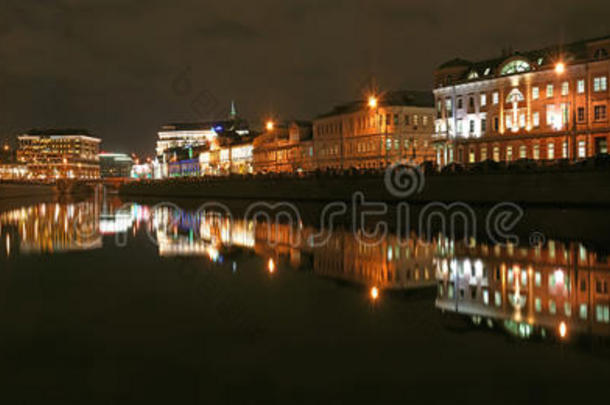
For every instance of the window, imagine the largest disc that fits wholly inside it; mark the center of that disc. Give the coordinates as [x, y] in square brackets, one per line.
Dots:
[582, 149]
[415, 120]
[600, 84]
[536, 152]
[537, 279]
[516, 66]
[552, 307]
[535, 93]
[395, 119]
[581, 86]
[538, 304]
[449, 107]
[522, 152]
[509, 155]
[483, 154]
[549, 90]
[509, 121]
[522, 121]
[459, 126]
[496, 97]
[600, 113]
[536, 119]
[460, 104]
[471, 102]
[471, 126]
[565, 88]
[406, 119]
[424, 120]
[567, 309]
[498, 298]
[550, 151]
[471, 157]
[564, 149]
[496, 124]
[497, 153]
[581, 114]
[483, 125]
[483, 100]
[583, 311]
[602, 313]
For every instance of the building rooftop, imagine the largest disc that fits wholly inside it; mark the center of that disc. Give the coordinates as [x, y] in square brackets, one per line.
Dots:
[408, 98]
[533, 59]
[58, 132]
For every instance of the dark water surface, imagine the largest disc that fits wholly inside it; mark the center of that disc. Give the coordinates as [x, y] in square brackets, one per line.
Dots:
[160, 305]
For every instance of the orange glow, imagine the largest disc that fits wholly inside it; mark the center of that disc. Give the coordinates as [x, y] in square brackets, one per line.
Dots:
[560, 67]
[563, 330]
[271, 266]
[374, 293]
[372, 102]
[270, 125]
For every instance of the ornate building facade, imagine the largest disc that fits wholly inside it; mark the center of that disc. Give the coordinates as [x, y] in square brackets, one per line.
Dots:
[545, 104]
[374, 133]
[284, 148]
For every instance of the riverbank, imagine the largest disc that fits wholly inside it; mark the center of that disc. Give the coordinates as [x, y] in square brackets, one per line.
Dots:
[580, 188]
[24, 190]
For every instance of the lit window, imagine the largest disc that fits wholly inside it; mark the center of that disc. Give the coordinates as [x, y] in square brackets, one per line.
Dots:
[535, 93]
[602, 313]
[522, 152]
[471, 156]
[565, 88]
[516, 66]
[536, 119]
[552, 307]
[496, 97]
[496, 152]
[550, 114]
[600, 83]
[509, 121]
[483, 154]
[581, 86]
[509, 155]
[536, 152]
[483, 100]
[583, 311]
[551, 151]
[549, 90]
[483, 125]
[538, 304]
[582, 149]
[522, 120]
[564, 149]
[537, 279]
[498, 298]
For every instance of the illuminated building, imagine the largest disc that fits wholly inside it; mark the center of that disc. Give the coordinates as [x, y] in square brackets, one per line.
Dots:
[179, 145]
[113, 165]
[59, 154]
[387, 128]
[284, 147]
[545, 104]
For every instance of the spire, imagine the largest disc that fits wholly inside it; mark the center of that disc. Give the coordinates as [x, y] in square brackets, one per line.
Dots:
[233, 113]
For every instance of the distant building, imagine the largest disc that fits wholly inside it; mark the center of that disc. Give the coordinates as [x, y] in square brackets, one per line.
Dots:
[285, 147]
[180, 145]
[115, 165]
[387, 128]
[60, 154]
[545, 104]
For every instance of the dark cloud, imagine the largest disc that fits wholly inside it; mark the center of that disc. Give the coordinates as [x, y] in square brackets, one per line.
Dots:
[109, 65]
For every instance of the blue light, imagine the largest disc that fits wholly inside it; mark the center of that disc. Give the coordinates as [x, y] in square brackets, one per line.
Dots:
[218, 128]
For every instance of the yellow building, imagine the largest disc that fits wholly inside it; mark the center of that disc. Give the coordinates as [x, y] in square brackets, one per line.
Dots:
[284, 147]
[373, 133]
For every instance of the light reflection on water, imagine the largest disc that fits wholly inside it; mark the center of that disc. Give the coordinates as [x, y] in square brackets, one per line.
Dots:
[556, 291]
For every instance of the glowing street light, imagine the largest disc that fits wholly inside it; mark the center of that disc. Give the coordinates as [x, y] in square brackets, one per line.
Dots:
[271, 266]
[560, 67]
[373, 102]
[374, 293]
[270, 125]
[563, 330]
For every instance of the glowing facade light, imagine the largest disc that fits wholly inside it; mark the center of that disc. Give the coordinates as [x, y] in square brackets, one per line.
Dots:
[270, 125]
[373, 102]
[560, 67]
[563, 330]
[374, 293]
[271, 266]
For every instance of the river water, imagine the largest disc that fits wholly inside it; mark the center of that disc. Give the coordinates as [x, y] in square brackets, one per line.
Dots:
[110, 301]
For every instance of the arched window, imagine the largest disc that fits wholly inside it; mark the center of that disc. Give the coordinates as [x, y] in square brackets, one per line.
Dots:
[516, 66]
[473, 75]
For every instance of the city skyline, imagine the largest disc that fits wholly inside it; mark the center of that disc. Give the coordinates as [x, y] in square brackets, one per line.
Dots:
[291, 61]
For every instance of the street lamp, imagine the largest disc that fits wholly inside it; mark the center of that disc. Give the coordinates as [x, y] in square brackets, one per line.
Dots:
[270, 125]
[560, 68]
[372, 102]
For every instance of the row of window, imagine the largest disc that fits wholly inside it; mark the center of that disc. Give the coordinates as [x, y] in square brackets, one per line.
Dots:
[524, 153]
[372, 121]
[600, 84]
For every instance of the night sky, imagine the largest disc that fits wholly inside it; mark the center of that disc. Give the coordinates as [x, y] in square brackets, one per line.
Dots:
[121, 68]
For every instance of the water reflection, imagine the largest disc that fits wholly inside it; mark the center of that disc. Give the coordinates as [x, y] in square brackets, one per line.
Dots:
[557, 290]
